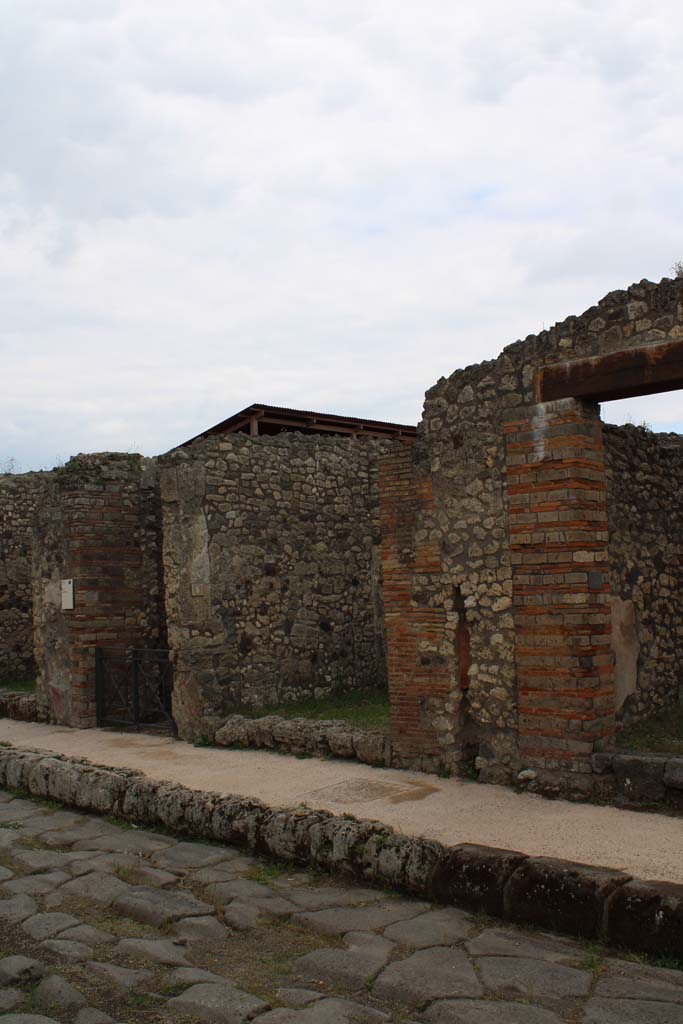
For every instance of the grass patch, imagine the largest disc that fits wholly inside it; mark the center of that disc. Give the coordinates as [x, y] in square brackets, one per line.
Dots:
[662, 733]
[18, 684]
[266, 872]
[364, 710]
[130, 875]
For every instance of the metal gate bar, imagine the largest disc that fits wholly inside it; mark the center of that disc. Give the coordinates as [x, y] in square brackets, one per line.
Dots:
[133, 688]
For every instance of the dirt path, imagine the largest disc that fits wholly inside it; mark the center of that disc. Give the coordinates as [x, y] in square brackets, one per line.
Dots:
[451, 810]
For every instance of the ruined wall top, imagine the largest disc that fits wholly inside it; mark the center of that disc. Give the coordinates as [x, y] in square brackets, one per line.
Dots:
[644, 314]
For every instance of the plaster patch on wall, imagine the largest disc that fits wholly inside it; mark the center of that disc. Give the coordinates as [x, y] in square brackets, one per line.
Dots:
[626, 649]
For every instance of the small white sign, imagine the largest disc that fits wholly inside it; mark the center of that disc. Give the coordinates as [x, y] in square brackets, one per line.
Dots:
[67, 595]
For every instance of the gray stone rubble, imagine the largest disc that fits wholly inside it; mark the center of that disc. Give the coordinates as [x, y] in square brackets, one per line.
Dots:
[273, 945]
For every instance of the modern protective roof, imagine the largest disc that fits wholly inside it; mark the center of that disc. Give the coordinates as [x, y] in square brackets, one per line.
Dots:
[273, 419]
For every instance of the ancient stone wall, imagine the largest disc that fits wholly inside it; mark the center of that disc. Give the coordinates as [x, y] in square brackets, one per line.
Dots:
[519, 483]
[100, 526]
[271, 565]
[645, 512]
[20, 496]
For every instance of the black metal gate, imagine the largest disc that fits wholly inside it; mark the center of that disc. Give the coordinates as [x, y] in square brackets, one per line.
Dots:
[134, 688]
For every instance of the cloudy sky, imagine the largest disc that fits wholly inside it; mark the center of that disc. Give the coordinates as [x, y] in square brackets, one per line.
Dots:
[319, 204]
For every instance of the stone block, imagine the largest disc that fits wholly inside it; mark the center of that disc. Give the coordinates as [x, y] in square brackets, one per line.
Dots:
[647, 917]
[371, 747]
[560, 896]
[640, 778]
[673, 773]
[474, 877]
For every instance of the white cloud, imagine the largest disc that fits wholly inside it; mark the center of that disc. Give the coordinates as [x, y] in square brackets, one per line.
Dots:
[312, 204]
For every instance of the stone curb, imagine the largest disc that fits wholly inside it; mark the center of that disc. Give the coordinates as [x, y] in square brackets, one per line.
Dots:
[641, 780]
[299, 736]
[21, 707]
[577, 899]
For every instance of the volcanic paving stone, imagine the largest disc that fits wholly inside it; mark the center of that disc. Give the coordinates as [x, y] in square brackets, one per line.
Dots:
[46, 860]
[126, 841]
[187, 976]
[161, 951]
[327, 1011]
[499, 942]
[297, 998]
[223, 1004]
[27, 1018]
[18, 970]
[36, 885]
[87, 934]
[314, 898]
[89, 1015]
[435, 928]
[46, 926]
[159, 907]
[625, 987]
[437, 973]
[351, 968]
[54, 993]
[66, 949]
[185, 856]
[10, 998]
[522, 976]
[100, 887]
[17, 909]
[628, 1011]
[475, 1011]
[338, 921]
[120, 977]
[200, 929]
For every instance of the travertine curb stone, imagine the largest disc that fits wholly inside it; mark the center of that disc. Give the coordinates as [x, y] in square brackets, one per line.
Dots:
[579, 899]
[22, 707]
[331, 738]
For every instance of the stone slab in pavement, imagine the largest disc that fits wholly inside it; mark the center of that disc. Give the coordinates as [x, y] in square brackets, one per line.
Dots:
[532, 979]
[221, 1004]
[479, 1011]
[349, 969]
[426, 975]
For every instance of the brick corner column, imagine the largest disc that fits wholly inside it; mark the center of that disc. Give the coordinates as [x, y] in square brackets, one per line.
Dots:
[561, 588]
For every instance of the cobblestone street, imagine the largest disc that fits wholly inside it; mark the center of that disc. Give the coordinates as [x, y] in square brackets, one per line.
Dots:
[104, 922]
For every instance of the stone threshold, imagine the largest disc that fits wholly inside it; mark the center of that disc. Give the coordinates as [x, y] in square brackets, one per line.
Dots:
[558, 895]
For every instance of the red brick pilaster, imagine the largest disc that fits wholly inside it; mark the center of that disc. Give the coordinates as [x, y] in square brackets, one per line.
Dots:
[561, 589]
[419, 669]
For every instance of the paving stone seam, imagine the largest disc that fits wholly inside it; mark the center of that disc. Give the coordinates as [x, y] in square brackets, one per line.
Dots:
[558, 895]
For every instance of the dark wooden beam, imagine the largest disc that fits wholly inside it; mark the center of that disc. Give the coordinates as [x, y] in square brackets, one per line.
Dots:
[624, 374]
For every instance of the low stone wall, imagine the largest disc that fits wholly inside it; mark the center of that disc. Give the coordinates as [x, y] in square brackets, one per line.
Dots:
[22, 707]
[641, 780]
[301, 736]
[560, 895]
